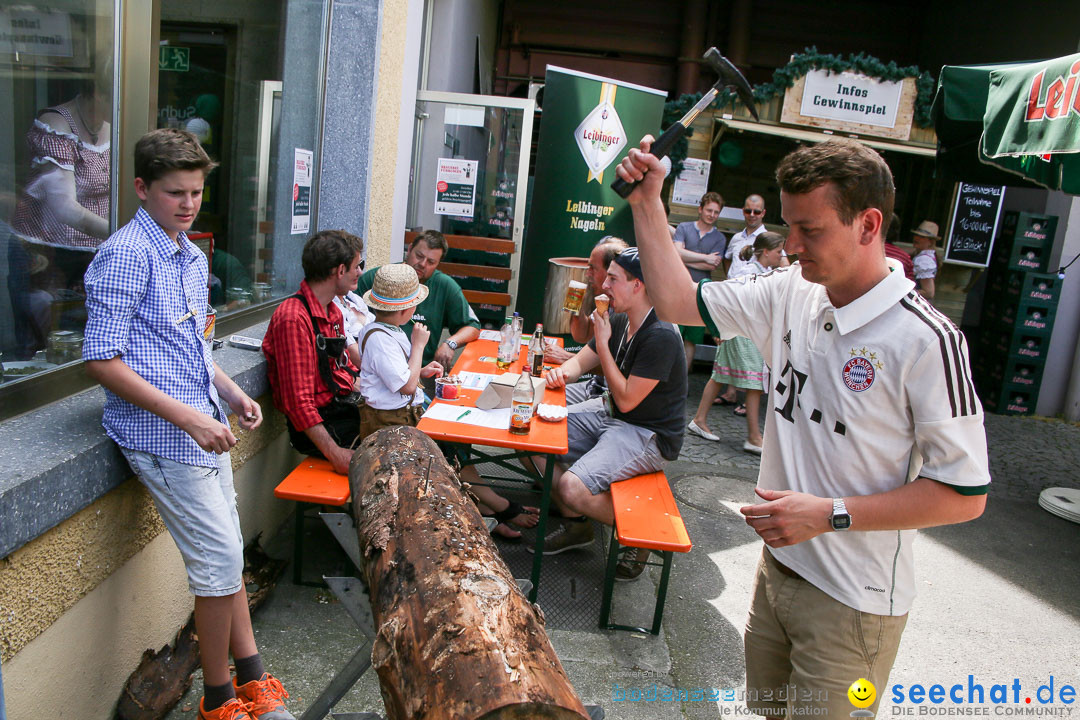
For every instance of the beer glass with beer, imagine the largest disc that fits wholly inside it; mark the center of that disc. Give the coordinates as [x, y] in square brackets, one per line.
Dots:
[575, 294]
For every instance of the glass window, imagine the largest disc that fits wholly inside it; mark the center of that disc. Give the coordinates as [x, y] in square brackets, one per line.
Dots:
[212, 80]
[56, 174]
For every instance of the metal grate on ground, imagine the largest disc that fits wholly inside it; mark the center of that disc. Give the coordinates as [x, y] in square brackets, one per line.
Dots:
[571, 583]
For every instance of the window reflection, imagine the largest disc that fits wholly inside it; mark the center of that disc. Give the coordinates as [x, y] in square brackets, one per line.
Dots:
[210, 79]
[55, 175]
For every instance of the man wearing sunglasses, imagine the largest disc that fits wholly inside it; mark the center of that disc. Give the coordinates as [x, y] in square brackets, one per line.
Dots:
[754, 214]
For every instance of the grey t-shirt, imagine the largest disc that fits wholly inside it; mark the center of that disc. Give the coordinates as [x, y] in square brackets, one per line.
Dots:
[713, 241]
[656, 353]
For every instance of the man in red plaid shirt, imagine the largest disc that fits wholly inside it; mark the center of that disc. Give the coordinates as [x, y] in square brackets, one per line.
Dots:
[310, 374]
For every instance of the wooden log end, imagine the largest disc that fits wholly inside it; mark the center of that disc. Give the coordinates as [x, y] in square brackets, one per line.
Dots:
[161, 678]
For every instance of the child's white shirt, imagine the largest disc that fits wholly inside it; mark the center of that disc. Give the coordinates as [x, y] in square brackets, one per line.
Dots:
[385, 367]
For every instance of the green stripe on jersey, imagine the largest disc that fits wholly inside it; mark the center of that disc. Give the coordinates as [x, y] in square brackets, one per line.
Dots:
[704, 311]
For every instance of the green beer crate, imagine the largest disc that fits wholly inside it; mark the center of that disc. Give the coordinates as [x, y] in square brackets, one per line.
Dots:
[1029, 287]
[1030, 238]
[1013, 343]
[1008, 399]
[1031, 317]
[1012, 371]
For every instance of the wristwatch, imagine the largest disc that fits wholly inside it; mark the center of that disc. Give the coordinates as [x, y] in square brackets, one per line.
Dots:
[452, 344]
[840, 519]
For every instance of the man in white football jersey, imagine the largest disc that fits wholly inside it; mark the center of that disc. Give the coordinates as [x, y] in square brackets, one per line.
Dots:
[873, 427]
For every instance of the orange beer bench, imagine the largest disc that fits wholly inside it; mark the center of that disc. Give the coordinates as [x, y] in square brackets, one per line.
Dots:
[646, 516]
[311, 484]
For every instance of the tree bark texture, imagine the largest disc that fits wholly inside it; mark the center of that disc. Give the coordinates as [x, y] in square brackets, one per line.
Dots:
[455, 638]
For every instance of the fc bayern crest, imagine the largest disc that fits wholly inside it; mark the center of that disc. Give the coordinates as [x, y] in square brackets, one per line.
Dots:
[858, 374]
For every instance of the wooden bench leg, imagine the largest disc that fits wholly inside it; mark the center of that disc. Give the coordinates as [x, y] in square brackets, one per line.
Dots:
[609, 581]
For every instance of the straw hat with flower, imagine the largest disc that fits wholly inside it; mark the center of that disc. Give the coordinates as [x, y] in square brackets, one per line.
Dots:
[396, 287]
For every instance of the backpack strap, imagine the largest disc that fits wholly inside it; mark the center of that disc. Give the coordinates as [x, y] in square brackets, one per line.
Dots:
[363, 343]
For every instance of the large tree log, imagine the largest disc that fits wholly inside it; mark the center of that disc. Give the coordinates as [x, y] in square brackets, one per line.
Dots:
[455, 638]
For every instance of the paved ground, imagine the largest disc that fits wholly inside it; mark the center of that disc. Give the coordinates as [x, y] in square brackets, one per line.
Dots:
[999, 598]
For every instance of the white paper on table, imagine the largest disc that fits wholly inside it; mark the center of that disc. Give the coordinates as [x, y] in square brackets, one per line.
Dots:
[495, 419]
[474, 380]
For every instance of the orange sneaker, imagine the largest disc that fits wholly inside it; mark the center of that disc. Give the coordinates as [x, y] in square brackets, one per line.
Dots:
[234, 709]
[265, 698]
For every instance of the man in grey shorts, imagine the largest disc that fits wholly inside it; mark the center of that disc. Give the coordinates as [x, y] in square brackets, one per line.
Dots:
[640, 426]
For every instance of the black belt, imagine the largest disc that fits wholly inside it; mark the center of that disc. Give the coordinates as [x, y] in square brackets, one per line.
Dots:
[784, 569]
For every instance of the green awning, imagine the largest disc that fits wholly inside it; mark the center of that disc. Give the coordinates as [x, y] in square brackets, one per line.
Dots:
[1017, 118]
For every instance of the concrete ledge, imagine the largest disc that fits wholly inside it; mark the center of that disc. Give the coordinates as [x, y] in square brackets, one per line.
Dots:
[57, 460]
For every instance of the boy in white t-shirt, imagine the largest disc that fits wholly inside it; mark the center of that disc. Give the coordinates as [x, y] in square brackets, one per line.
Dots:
[391, 370]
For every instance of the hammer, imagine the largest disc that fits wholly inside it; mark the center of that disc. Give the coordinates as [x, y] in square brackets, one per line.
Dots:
[730, 77]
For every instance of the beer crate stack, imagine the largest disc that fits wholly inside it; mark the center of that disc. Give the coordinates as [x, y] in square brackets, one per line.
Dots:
[1019, 309]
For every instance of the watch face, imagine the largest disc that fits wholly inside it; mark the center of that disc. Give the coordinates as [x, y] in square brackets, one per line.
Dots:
[841, 522]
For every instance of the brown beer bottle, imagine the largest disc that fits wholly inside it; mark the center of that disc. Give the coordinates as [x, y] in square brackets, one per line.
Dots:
[536, 352]
[521, 404]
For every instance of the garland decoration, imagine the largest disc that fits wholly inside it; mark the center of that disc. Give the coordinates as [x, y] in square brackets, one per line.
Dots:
[800, 64]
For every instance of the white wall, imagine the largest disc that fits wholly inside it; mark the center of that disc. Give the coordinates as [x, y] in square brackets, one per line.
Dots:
[1059, 391]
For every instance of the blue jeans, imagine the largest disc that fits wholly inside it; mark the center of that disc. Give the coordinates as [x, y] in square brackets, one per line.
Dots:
[198, 506]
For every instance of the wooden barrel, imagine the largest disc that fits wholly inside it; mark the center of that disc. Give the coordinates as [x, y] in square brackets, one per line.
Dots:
[561, 271]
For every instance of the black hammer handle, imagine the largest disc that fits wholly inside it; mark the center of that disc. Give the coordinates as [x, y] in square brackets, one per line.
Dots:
[660, 149]
[662, 145]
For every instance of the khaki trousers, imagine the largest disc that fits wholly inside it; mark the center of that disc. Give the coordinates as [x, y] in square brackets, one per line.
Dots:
[804, 649]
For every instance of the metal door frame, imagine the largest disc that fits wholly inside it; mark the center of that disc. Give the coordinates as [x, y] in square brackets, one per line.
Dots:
[528, 108]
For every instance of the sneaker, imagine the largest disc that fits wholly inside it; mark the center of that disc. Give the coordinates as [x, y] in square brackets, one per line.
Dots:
[265, 698]
[233, 709]
[631, 565]
[570, 535]
[697, 430]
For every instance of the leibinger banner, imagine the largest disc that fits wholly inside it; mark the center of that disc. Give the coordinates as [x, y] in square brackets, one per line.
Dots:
[588, 125]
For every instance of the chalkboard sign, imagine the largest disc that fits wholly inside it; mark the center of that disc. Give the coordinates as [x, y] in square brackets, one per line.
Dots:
[974, 224]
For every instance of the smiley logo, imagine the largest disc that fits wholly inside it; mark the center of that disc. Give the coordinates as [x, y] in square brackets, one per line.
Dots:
[862, 693]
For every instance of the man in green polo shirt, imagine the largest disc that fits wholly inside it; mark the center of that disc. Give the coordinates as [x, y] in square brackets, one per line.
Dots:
[445, 305]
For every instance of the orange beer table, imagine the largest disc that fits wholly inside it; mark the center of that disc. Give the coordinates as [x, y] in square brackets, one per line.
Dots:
[544, 438]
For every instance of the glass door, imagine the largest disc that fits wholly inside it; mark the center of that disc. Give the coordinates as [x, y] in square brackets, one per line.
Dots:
[470, 170]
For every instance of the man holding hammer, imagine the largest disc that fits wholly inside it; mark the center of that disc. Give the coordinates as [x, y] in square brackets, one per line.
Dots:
[873, 429]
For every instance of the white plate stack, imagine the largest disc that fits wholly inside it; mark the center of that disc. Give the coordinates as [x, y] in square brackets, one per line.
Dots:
[551, 413]
[1063, 502]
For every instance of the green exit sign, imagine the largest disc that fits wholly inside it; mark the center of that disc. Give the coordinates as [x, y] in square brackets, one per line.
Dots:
[174, 59]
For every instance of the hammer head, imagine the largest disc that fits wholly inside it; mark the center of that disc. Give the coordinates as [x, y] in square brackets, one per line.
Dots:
[730, 77]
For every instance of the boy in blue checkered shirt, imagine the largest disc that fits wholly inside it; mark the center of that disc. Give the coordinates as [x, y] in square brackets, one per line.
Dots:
[146, 301]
